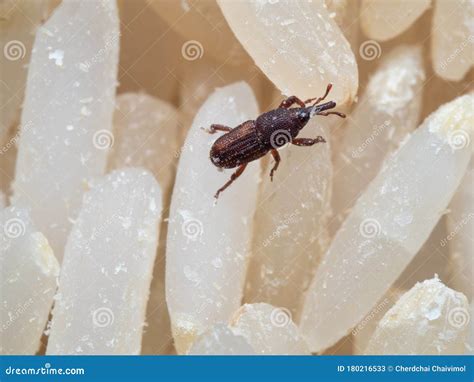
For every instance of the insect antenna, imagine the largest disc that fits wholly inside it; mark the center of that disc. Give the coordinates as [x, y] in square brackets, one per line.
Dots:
[320, 109]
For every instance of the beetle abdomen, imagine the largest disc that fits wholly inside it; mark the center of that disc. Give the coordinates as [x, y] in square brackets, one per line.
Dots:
[240, 145]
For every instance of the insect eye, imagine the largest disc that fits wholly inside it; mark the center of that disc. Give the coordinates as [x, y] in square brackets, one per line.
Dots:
[303, 116]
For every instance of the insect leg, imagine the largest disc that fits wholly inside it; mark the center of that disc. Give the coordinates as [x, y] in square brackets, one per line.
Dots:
[326, 113]
[277, 158]
[233, 177]
[215, 128]
[319, 99]
[285, 104]
[307, 141]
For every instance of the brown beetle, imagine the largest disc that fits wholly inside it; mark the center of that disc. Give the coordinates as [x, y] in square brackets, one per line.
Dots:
[251, 140]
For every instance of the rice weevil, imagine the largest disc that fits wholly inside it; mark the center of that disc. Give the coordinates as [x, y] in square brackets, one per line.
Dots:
[253, 139]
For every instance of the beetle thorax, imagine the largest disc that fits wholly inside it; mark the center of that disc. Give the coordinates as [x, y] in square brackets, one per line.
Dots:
[282, 123]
